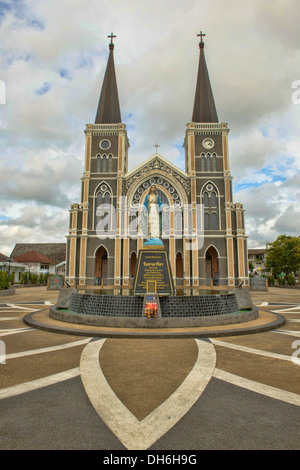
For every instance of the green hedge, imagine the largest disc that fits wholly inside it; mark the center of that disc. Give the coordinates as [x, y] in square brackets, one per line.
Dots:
[4, 280]
[24, 278]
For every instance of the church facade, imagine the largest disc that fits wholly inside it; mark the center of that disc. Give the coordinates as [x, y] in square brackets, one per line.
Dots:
[205, 234]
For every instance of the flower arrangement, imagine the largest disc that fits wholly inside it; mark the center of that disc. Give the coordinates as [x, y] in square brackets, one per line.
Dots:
[151, 310]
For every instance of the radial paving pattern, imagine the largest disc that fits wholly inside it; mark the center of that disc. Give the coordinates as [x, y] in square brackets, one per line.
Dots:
[233, 392]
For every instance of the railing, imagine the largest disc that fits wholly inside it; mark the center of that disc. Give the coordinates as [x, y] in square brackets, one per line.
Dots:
[209, 126]
[105, 127]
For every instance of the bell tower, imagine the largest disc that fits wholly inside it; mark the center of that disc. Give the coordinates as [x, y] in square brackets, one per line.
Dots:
[222, 260]
[106, 163]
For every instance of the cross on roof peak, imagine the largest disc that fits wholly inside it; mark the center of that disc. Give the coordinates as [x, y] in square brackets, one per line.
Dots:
[156, 147]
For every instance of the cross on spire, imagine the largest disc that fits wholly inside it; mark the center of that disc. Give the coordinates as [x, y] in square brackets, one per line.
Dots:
[111, 38]
[156, 147]
[201, 35]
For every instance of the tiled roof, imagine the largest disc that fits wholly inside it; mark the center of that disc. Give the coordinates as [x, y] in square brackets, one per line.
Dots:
[33, 257]
[256, 251]
[4, 258]
[54, 251]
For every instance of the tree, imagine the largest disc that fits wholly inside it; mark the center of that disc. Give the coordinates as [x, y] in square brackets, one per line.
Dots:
[283, 255]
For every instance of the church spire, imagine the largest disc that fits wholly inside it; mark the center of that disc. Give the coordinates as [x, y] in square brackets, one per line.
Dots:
[108, 111]
[204, 104]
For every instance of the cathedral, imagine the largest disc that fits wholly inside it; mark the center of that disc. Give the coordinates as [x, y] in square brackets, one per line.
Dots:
[104, 236]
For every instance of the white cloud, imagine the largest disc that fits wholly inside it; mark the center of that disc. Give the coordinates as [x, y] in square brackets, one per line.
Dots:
[271, 209]
[252, 51]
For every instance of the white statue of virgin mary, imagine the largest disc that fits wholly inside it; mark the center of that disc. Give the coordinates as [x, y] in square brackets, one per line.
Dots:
[152, 217]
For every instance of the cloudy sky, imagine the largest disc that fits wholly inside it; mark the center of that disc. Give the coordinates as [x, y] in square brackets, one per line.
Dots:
[53, 56]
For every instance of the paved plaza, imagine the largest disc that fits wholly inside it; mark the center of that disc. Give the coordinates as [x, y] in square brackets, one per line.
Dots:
[67, 387]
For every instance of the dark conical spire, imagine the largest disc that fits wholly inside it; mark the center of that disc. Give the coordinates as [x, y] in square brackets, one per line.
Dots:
[108, 111]
[204, 104]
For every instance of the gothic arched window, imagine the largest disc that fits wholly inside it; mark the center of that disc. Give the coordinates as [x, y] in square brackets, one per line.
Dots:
[104, 163]
[98, 163]
[202, 161]
[206, 221]
[208, 162]
[107, 198]
[214, 162]
[110, 163]
[102, 204]
[213, 200]
[206, 199]
[214, 221]
[210, 201]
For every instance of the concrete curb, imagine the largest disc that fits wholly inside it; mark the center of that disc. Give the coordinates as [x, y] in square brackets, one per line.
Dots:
[29, 320]
[6, 292]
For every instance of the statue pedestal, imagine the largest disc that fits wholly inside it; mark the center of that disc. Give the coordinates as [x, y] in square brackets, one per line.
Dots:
[153, 272]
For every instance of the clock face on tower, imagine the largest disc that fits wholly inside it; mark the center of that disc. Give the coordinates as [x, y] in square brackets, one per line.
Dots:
[208, 143]
[104, 144]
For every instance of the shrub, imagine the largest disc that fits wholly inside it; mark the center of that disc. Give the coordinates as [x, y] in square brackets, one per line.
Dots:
[4, 280]
[271, 280]
[291, 280]
[281, 281]
[12, 278]
[33, 278]
[24, 278]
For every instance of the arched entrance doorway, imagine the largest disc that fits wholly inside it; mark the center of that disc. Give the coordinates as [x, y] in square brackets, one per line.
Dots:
[101, 266]
[132, 264]
[179, 269]
[212, 265]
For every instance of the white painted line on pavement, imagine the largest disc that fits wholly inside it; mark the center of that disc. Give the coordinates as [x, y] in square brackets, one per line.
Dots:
[5, 308]
[288, 332]
[23, 308]
[135, 434]
[14, 331]
[48, 349]
[287, 310]
[10, 311]
[246, 349]
[267, 390]
[39, 383]
[9, 318]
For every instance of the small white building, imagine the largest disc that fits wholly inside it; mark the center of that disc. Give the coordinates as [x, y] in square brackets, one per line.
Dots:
[37, 263]
[12, 266]
[257, 257]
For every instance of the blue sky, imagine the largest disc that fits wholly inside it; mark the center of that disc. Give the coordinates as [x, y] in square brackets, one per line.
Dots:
[276, 172]
[53, 57]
